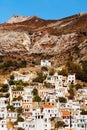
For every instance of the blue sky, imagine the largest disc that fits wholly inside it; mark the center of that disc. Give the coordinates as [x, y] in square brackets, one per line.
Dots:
[47, 9]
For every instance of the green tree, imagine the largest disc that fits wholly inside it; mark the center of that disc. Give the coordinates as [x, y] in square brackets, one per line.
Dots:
[62, 100]
[83, 112]
[63, 72]
[23, 63]
[18, 98]
[40, 77]
[44, 68]
[7, 95]
[1, 58]
[35, 92]
[8, 64]
[48, 85]
[20, 119]
[78, 86]
[19, 110]
[36, 98]
[18, 88]
[71, 91]
[11, 82]
[4, 88]
[12, 77]
[11, 108]
[52, 71]
[59, 124]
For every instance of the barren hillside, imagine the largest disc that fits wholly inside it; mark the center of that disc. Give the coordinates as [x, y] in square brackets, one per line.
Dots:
[33, 38]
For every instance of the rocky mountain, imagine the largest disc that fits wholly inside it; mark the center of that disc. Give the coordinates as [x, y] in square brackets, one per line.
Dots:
[17, 19]
[33, 38]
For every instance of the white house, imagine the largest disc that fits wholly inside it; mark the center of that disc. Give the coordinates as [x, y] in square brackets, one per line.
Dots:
[27, 93]
[17, 103]
[45, 63]
[56, 79]
[12, 116]
[3, 125]
[3, 107]
[50, 111]
[71, 78]
[36, 122]
[3, 101]
[61, 92]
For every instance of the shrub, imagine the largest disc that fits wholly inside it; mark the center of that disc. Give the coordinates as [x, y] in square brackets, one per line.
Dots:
[7, 95]
[62, 100]
[40, 77]
[4, 88]
[35, 92]
[11, 82]
[83, 112]
[78, 86]
[19, 110]
[44, 68]
[59, 124]
[48, 85]
[8, 64]
[20, 119]
[63, 72]
[11, 108]
[84, 65]
[12, 77]
[1, 59]
[36, 99]
[23, 63]
[18, 88]
[52, 71]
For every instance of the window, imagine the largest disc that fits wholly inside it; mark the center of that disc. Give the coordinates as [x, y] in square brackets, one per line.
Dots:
[78, 125]
[45, 119]
[38, 117]
[41, 117]
[2, 125]
[82, 126]
[14, 115]
[49, 111]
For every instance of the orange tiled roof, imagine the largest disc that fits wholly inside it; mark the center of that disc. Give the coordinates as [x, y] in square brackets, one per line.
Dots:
[48, 106]
[65, 113]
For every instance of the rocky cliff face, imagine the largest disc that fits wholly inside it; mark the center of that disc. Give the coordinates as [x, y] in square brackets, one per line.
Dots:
[34, 38]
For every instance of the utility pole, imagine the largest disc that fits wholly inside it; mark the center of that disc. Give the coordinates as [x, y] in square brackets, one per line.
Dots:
[70, 120]
[85, 126]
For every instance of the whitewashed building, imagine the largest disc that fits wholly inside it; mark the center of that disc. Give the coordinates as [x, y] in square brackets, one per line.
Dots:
[11, 116]
[3, 125]
[50, 111]
[3, 107]
[71, 78]
[45, 63]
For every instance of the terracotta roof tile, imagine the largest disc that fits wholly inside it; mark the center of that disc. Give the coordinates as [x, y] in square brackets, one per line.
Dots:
[48, 106]
[65, 113]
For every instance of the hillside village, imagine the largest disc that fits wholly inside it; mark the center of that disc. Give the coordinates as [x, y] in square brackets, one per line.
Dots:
[43, 100]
